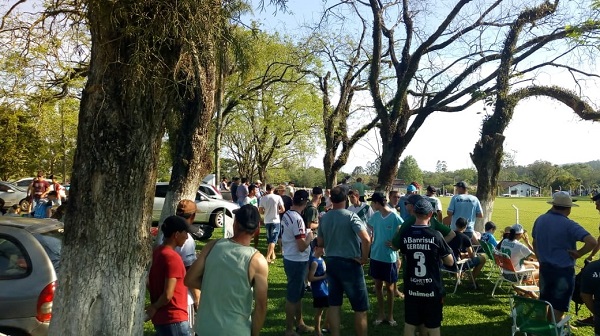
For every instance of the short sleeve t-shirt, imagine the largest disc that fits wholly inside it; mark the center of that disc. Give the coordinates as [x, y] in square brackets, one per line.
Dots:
[271, 203]
[459, 244]
[590, 284]
[339, 229]
[310, 215]
[166, 263]
[293, 228]
[465, 206]
[360, 187]
[423, 248]
[435, 202]
[384, 229]
[516, 251]
[363, 211]
[488, 237]
[410, 221]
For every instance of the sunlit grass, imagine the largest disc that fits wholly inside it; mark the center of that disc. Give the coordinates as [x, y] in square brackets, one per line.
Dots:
[468, 312]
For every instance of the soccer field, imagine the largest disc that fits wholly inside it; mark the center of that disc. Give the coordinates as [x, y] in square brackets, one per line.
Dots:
[468, 312]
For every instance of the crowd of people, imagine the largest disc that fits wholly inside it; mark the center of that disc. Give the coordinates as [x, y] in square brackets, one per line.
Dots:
[327, 236]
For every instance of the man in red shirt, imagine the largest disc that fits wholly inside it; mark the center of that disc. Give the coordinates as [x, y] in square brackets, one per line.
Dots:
[38, 189]
[168, 294]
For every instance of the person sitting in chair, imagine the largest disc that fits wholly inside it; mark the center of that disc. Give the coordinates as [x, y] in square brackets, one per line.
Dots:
[520, 255]
[462, 248]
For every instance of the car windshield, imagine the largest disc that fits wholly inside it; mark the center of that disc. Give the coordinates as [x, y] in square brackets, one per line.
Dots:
[52, 242]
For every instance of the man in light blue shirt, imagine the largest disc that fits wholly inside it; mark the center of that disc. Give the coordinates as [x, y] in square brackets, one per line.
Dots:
[466, 206]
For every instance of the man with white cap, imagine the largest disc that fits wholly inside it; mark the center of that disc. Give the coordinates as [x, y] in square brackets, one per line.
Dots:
[554, 241]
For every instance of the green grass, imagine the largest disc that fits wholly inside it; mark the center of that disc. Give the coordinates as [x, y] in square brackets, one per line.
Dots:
[468, 312]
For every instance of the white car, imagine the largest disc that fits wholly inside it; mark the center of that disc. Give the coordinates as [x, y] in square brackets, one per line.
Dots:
[210, 191]
[210, 211]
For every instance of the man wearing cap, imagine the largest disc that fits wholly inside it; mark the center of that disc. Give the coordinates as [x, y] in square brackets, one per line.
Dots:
[168, 294]
[347, 243]
[383, 266]
[435, 202]
[434, 223]
[466, 206]
[231, 275]
[554, 242]
[423, 248]
[271, 205]
[296, 240]
[410, 190]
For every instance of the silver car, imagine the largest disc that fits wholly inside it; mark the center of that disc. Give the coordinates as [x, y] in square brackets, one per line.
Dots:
[210, 211]
[13, 194]
[29, 260]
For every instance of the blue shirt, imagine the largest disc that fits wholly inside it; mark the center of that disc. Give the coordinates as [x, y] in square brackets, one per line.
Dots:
[554, 235]
[402, 207]
[465, 206]
[339, 229]
[488, 237]
[319, 288]
[384, 229]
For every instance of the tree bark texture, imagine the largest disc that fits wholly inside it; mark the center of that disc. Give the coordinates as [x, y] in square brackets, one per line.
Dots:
[101, 285]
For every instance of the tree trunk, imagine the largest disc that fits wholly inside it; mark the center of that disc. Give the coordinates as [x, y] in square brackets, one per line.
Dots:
[487, 157]
[106, 248]
[330, 174]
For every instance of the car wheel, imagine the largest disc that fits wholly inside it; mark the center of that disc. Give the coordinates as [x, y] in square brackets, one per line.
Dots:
[24, 205]
[217, 219]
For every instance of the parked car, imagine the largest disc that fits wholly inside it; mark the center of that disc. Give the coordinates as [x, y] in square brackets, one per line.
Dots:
[210, 190]
[210, 211]
[12, 194]
[29, 261]
[25, 182]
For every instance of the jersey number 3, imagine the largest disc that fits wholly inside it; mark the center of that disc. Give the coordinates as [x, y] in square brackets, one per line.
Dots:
[420, 270]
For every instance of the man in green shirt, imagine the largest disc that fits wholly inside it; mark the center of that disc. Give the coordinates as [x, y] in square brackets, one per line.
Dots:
[360, 187]
[410, 220]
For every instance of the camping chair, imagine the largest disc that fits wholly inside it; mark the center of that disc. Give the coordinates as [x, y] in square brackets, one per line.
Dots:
[531, 316]
[461, 268]
[508, 272]
[489, 253]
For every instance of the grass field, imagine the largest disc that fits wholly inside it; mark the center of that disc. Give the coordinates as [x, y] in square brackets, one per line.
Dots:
[468, 312]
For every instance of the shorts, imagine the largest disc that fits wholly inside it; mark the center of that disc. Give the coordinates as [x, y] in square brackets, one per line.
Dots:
[296, 272]
[272, 232]
[383, 271]
[427, 311]
[556, 285]
[321, 302]
[347, 275]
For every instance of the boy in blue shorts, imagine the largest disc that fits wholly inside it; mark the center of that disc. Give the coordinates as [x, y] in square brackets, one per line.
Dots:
[318, 283]
[383, 267]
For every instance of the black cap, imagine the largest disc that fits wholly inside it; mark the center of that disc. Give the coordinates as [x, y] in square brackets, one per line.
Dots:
[596, 197]
[423, 207]
[414, 198]
[300, 196]
[248, 217]
[317, 191]
[377, 197]
[174, 224]
[431, 189]
[462, 184]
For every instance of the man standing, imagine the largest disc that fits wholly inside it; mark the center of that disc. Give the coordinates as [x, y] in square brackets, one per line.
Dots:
[360, 188]
[38, 189]
[410, 190]
[232, 264]
[296, 252]
[290, 190]
[271, 205]
[58, 188]
[596, 200]
[359, 207]
[394, 199]
[168, 295]
[186, 209]
[435, 202]
[344, 236]
[223, 185]
[310, 215]
[242, 191]
[554, 242]
[466, 206]
[383, 267]
[234, 186]
[423, 248]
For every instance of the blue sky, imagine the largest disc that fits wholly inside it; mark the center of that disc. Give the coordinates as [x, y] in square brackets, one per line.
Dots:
[541, 129]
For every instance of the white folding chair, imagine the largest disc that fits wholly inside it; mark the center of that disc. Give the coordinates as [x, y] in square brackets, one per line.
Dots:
[461, 268]
[508, 272]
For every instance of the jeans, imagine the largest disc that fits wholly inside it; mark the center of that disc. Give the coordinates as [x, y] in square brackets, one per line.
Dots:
[173, 329]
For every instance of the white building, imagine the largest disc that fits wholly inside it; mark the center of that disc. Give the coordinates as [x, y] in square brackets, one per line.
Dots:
[517, 189]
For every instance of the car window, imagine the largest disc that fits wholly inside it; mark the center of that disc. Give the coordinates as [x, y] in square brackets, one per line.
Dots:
[161, 191]
[14, 262]
[4, 188]
[206, 190]
[52, 242]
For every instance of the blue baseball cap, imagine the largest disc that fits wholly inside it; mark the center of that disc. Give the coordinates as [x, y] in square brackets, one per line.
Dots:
[411, 188]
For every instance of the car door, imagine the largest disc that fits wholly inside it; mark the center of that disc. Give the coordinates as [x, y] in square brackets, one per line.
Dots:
[205, 207]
